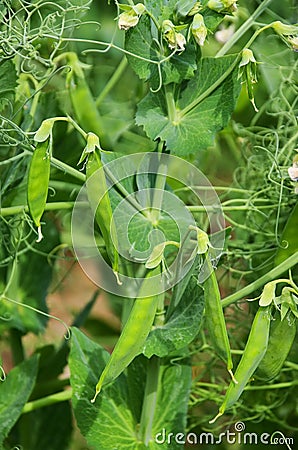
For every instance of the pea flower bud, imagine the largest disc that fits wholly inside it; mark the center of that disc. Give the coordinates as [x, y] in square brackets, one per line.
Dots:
[248, 70]
[91, 144]
[293, 41]
[175, 40]
[289, 33]
[44, 131]
[222, 6]
[198, 29]
[130, 17]
[195, 9]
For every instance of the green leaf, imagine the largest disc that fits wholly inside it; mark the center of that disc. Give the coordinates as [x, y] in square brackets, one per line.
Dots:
[8, 83]
[212, 19]
[183, 325]
[172, 404]
[15, 392]
[181, 66]
[109, 420]
[204, 108]
[50, 427]
[184, 6]
[161, 9]
[31, 280]
[138, 40]
[114, 418]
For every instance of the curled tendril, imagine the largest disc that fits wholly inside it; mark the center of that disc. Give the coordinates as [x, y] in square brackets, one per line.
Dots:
[24, 30]
[67, 336]
[3, 374]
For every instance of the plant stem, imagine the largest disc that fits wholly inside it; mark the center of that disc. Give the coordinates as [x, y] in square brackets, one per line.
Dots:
[150, 399]
[13, 210]
[232, 208]
[68, 169]
[171, 107]
[158, 193]
[271, 275]
[47, 401]
[286, 384]
[112, 81]
[244, 27]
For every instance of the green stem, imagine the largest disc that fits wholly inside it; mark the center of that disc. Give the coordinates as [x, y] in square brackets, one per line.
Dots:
[68, 169]
[271, 275]
[171, 106]
[158, 194]
[63, 186]
[244, 27]
[112, 81]
[47, 401]
[150, 399]
[286, 384]
[13, 210]
[232, 208]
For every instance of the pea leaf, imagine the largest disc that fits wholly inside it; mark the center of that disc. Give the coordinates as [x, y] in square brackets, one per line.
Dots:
[184, 6]
[183, 325]
[161, 9]
[8, 83]
[14, 393]
[139, 41]
[194, 130]
[115, 416]
[31, 279]
[50, 427]
[109, 419]
[172, 404]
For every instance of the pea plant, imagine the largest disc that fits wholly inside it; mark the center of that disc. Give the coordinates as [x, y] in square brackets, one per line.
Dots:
[152, 145]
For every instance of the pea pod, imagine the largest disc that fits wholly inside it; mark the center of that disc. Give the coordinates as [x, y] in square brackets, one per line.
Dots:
[215, 321]
[99, 199]
[86, 112]
[289, 237]
[253, 354]
[133, 336]
[282, 335]
[38, 183]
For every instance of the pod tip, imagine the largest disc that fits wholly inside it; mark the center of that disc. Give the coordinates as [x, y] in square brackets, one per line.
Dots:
[215, 418]
[232, 376]
[39, 234]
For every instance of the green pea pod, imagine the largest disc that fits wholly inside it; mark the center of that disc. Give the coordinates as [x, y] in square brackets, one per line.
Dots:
[215, 320]
[282, 335]
[289, 237]
[86, 112]
[253, 354]
[133, 336]
[97, 190]
[38, 183]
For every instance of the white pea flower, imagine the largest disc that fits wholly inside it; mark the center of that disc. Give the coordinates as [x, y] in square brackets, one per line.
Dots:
[289, 33]
[175, 40]
[131, 16]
